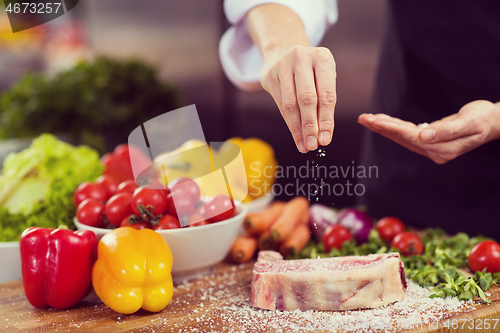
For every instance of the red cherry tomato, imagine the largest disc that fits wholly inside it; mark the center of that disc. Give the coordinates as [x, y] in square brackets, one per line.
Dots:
[186, 185]
[87, 190]
[408, 243]
[389, 227]
[197, 220]
[485, 255]
[128, 186]
[106, 158]
[219, 208]
[165, 192]
[334, 236]
[151, 199]
[91, 212]
[122, 151]
[141, 224]
[201, 208]
[179, 204]
[167, 222]
[109, 184]
[118, 207]
[117, 167]
[127, 153]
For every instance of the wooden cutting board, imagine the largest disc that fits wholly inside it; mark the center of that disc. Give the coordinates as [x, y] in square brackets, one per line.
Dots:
[219, 301]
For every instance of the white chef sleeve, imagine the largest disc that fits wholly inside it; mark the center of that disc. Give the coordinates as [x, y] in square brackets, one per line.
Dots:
[240, 58]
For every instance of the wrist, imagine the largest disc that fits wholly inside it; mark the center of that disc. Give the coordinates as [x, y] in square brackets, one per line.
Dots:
[275, 29]
[496, 123]
[495, 128]
[275, 49]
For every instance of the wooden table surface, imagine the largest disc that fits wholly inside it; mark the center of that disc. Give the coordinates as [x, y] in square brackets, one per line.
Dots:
[218, 301]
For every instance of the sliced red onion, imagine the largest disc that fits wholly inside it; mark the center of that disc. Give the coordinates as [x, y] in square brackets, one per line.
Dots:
[359, 223]
[320, 218]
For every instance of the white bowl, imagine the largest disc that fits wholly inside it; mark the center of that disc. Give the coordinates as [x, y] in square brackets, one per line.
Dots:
[195, 249]
[10, 261]
[259, 204]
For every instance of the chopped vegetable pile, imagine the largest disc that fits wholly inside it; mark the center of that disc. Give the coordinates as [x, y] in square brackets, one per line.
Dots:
[440, 265]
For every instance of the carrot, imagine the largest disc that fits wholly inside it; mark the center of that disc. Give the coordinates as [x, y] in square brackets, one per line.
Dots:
[243, 248]
[297, 240]
[292, 215]
[256, 223]
[266, 242]
[304, 219]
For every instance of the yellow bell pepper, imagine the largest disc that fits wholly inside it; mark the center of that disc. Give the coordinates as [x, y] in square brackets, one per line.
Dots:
[133, 271]
[260, 165]
[194, 158]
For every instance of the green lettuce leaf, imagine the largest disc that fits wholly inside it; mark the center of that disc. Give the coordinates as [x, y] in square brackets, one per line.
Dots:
[37, 185]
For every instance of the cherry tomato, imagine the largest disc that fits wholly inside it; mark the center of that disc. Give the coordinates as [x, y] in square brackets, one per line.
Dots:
[179, 204]
[88, 190]
[128, 186]
[106, 158]
[122, 151]
[118, 207]
[186, 185]
[389, 227]
[109, 184]
[167, 222]
[151, 199]
[132, 222]
[165, 192]
[127, 153]
[197, 220]
[201, 208]
[117, 167]
[219, 208]
[91, 212]
[408, 243]
[334, 236]
[485, 255]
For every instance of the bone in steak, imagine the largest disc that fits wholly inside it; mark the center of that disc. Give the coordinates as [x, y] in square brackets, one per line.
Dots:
[342, 283]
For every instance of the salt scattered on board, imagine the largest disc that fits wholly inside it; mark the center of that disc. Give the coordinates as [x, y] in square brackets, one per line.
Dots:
[233, 311]
[220, 301]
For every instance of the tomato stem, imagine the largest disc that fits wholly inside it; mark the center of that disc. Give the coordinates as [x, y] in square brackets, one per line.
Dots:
[147, 215]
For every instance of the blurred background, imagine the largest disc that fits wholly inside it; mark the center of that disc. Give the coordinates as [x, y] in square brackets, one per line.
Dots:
[180, 38]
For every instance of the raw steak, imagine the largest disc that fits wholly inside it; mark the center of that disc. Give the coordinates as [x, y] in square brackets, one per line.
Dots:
[341, 283]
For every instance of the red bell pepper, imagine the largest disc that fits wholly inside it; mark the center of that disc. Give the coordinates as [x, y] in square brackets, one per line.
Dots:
[57, 266]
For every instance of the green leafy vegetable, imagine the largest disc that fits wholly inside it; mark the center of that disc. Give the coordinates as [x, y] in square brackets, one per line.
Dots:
[440, 266]
[97, 103]
[37, 185]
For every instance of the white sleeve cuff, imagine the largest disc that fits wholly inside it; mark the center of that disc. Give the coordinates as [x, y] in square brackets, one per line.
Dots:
[240, 58]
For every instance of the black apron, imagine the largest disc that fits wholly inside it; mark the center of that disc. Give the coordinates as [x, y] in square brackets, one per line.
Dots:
[437, 57]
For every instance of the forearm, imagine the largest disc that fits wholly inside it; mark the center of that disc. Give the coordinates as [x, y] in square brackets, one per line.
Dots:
[299, 77]
[274, 28]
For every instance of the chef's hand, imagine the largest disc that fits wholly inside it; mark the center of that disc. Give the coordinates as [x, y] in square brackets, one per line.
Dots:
[443, 140]
[301, 81]
[300, 78]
